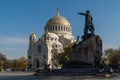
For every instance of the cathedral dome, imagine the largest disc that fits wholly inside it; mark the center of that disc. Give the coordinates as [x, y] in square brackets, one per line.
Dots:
[58, 24]
[58, 20]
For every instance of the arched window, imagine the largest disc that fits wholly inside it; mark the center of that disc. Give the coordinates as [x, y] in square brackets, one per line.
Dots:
[39, 49]
[29, 57]
[49, 29]
[64, 28]
[58, 28]
[61, 28]
[52, 46]
[47, 37]
[52, 39]
[53, 28]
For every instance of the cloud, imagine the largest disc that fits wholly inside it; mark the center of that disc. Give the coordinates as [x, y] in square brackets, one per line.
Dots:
[13, 40]
[14, 47]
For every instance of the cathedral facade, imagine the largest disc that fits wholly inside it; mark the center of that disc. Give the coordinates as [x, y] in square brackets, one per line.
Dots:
[57, 35]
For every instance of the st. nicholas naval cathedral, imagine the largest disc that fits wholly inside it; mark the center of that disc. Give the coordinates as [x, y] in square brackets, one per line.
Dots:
[57, 35]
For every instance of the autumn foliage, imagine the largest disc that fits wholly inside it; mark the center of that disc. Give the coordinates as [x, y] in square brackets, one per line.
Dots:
[13, 64]
[62, 58]
[112, 56]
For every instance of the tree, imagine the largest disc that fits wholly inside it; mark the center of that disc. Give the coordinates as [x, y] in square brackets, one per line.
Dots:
[22, 63]
[2, 61]
[2, 57]
[15, 64]
[118, 57]
[7, 64]
[62, 58]
[19, 64]
[113, 55]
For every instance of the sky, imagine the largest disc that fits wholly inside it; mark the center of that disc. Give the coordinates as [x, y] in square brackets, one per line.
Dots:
[19, 18]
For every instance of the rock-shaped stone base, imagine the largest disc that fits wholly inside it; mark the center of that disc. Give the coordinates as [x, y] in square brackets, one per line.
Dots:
[87, 53]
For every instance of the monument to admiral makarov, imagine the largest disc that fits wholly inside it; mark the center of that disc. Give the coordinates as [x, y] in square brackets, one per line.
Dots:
[87, 53]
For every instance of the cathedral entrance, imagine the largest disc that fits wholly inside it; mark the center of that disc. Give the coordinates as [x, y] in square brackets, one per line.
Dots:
[36, 63]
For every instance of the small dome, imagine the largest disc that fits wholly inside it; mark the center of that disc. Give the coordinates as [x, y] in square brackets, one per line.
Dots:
[32, 35]
[58, 20]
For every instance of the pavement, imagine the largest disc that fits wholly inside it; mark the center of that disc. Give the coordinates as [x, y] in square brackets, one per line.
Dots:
[30, 76]
[17, 76]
